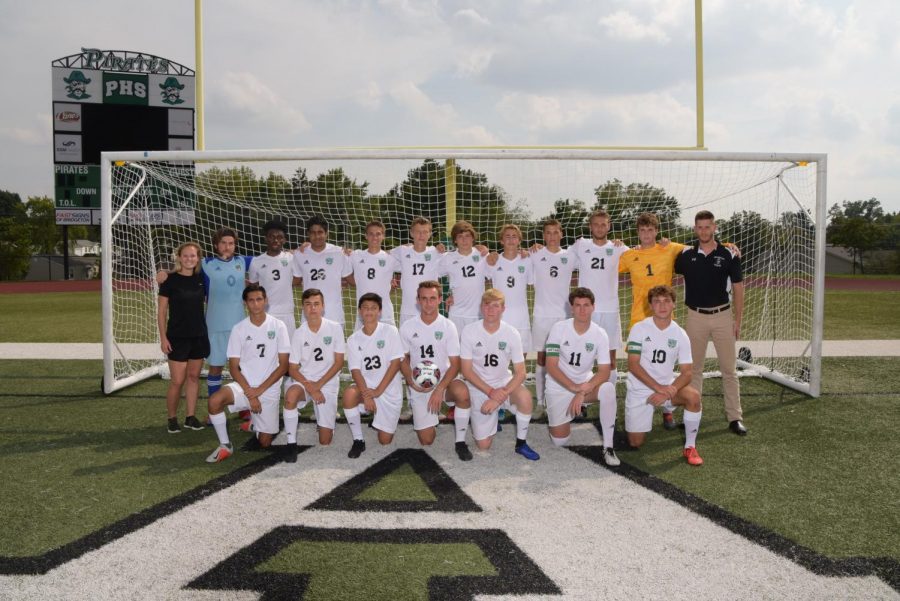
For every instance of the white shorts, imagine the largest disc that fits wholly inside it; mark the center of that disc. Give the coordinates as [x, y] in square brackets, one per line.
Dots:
[612, 325]
[638, 412]
[540, 330]
[483, 426]
[558, 400]
[462, 322]
[265, 421]
[418, 402]
[387, 413]
[289, 321]
[326, 413]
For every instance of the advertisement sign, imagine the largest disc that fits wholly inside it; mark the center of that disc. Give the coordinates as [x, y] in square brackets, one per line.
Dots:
[74, 217]
[66, 116]
[67, 148]
[77, 85]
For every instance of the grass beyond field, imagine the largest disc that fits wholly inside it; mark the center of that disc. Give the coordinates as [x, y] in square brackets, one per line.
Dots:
[816, 471]
[849, 315]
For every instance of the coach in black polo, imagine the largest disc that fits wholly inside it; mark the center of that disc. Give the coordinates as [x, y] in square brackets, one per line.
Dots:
[707, 267]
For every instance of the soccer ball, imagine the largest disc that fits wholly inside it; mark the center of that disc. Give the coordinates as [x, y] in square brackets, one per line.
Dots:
[426, 374]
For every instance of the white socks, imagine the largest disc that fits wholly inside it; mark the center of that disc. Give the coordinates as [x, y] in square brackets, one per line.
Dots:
[291, 421]
[354, 422]
[607, 396]
[218, 421]
[461, 421]
[691, 427]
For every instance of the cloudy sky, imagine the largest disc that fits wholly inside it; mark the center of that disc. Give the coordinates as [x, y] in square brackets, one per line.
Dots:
[781, 75]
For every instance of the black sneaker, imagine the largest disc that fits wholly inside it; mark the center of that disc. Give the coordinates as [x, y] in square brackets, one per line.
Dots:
[290, 453]
[463, 452]
[192, 423]
[174, 428]
[357, 449]
[252, 445]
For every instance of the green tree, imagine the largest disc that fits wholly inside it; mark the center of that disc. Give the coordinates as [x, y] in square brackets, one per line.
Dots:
[853, 226]
[15, 237]
[45, 234]
[756, 237]
[572, 216]
[625, 203]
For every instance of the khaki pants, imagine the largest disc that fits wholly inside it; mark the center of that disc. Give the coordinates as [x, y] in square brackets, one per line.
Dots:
[720, 327]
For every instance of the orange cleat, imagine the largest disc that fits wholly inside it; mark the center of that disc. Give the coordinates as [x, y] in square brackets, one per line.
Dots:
[692, 456]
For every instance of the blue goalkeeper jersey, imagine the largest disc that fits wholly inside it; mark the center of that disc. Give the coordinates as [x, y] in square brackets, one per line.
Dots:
[224, 282]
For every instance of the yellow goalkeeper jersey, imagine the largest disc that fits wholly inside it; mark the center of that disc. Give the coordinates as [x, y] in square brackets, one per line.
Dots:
[648, 268]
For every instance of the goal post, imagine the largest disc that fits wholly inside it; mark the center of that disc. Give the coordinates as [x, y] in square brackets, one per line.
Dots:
[773, 206]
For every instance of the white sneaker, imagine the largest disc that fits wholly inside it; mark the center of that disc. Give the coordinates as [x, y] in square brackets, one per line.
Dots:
[222, 453]
[609, 457]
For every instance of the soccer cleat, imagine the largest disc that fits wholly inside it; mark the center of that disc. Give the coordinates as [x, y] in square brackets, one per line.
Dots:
[500, 415]
[290, 453]
[609, 457]
[692, 456]
[669, 421]
[173, 425]
[246, 426]
[220, 454]
[451, 413]
[357, 449]
[252, 445]
[737, 426]
[192, 423]
[244, 414]
[527, 452]
[463, 452]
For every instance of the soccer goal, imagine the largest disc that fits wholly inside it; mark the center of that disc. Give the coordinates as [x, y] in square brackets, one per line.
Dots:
[771, 205]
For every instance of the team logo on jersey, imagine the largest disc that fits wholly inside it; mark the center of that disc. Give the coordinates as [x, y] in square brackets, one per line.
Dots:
[284, 262]
[648, 339]
[329, 260]
[438, 335]
[248, 338]
[382, 262]
[502, 346]
[521, 269]
[271, 334]
[476, 258]
[327, 340]
[427, 256]
[415, 335]
[478, 344]
[564, 260]
[609, 252]
[380, 344]
[718, 261]
[238, 267]
[589, 346]
[672, 343]
[305, 344]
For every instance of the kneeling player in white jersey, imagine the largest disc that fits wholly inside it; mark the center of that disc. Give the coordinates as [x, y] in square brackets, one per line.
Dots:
[654, 346]
[433, 337]
[487, 347]
[317, 356]
[573, 347]
[375, 353]
[258, 350]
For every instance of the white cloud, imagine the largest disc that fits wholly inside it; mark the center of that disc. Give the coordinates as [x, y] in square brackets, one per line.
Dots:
[242, 92]
[39, 134]
[623, 25]
[472, 17]
[370, 96]
[444, 123]
[474, 62]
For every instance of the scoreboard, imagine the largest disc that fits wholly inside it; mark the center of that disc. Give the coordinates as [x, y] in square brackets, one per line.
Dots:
[107, 100]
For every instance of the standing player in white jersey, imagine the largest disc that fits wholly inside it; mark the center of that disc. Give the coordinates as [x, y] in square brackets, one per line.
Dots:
[432, 337]
[258, 350]
[553, 267]
[597, 261]
[574, 346]
[323, 266]
[465, 269]
[417, 263]
[317, 356]
[375, 353]
[373, 271]
[275, 271]
[487, 348]
[655, 345]
[512, 273]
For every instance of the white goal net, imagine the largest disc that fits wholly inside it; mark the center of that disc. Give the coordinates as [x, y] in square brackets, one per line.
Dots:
[770, 205]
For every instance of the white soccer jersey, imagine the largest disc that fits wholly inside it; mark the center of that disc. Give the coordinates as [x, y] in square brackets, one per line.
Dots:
[466, 274]
[314, 351]
[598, 270]
[415, 267]
[372, 355]
[578, 353]
[436, 342]
[373, 273]
[512, 277]
[552, 279]
[275, 274]
[324, 270]
[258, 347]
[491, 354]
[660, 350]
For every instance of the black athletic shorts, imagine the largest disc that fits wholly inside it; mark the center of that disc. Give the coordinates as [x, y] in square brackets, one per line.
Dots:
[183, 349]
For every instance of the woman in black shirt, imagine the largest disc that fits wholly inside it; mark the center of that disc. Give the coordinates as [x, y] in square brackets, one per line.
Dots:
[183, 339]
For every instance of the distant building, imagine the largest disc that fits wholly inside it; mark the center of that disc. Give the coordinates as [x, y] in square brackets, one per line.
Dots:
[82, 248]
[838, 260]
[50, 267]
